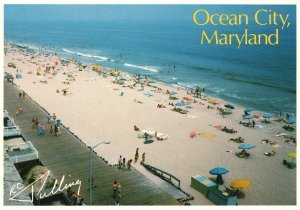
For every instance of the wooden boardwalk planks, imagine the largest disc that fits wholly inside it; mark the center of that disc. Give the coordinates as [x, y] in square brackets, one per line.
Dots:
[67, 155]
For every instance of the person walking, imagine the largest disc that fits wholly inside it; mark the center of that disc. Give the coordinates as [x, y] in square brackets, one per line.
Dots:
[119, 191]
[23, 94]
[17, 110]
[33, 123]
[124, 163]
[136, 156]
[143, 158]
[51, 130]
[115, 189]
[20, 110]
[129, 164]
[55, 130]
[54, 117]
[48, 117]
[120, 162]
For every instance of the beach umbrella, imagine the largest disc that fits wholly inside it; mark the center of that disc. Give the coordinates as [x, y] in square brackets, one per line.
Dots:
[248, 116]
[180, 104]
[291, 155]
[173, 93]
[219, 171]
[229, 106]
[267, 115]
[291, 121]
[248, 110]
[240, 183]
[246, 146]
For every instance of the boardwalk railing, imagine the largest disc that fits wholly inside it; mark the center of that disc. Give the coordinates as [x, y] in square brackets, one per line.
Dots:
[164, 175]
[170, 178]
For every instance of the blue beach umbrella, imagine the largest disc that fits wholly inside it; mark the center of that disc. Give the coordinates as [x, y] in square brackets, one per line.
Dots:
[248, 110]
[267, 115]
[291, 121]
[246, 146]
[248, 116]
[218, 171]
[180, 104]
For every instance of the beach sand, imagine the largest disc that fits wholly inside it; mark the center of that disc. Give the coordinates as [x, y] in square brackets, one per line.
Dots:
[95, 111]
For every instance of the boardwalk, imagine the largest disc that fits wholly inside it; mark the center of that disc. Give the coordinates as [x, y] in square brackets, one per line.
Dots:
[66, 155]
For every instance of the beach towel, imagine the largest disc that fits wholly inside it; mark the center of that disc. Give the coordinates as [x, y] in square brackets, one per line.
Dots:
[162, 136]
[193, 134]
[148, 95]
[276, 145]
[259, 126]
[218, 127]
[206, 135]
[279, 134]
[192, 116]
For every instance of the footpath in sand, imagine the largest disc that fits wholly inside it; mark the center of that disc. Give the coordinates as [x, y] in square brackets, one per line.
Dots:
[96, 109]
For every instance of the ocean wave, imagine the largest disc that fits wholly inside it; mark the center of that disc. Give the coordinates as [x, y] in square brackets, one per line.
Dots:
[100, 57]
[147, 68]
[85, 55]
[69, 51]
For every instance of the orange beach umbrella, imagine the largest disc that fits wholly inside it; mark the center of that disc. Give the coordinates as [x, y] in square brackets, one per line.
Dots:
[240, 183]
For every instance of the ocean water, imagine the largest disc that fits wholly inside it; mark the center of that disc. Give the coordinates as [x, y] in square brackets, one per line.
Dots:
[261, 77]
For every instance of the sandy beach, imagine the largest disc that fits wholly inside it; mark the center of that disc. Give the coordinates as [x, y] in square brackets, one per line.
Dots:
[97, 109]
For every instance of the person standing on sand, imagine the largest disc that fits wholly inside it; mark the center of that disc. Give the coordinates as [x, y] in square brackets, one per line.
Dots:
[24, 94]
[136, 156]
[54, 117]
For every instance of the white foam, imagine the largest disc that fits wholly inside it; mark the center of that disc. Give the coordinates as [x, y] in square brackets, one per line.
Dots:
[85, 55]
[68, 51]
[147, 68]
[100, 57]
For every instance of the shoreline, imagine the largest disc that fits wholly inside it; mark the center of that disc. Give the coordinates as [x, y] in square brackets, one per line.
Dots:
[163, 83]
[96, 99]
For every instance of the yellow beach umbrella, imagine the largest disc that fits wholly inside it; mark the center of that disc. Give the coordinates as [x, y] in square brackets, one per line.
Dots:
[291, 155]
[97, 68]
[240, 183]
[213, 101]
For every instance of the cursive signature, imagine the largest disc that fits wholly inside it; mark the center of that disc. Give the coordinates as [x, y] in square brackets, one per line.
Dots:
[18, 188]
